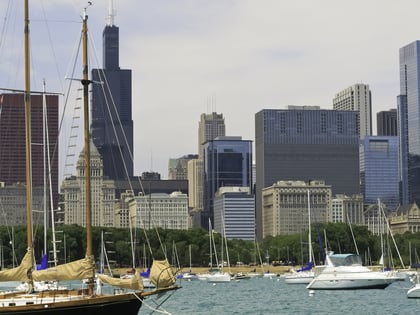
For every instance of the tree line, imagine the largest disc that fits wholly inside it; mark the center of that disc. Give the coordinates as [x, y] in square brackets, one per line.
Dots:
[176, 246]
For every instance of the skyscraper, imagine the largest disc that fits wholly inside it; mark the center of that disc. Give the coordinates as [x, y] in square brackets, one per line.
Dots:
[410, 93]
[387, 123]
[402, 148]
[178, 168]
[305, 143]
[210, 126]
[227, 162]
[112, 124]
[379, 170]
[357, 97]
[12, 141]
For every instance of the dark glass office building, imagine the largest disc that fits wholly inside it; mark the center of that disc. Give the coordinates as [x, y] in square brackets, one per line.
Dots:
[306, 143]
[402, 148]
[227, 162]
[112, 124]
[387, 123]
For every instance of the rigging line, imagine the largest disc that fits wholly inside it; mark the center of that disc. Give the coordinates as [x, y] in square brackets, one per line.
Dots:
[104, 79]
[52, 47]
[5, 24]
[76, 54]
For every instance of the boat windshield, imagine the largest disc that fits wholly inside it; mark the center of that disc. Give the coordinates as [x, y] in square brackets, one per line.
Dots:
[345, 260]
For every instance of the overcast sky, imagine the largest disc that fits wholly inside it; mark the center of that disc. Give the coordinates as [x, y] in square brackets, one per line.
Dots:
[235, 57]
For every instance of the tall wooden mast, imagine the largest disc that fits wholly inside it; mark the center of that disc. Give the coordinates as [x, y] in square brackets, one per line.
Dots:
[27, 101]
[88, 208]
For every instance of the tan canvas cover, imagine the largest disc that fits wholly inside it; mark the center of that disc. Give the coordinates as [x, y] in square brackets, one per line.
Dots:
[161, 274]
[76, 270]
[19, 273]
[133, 283]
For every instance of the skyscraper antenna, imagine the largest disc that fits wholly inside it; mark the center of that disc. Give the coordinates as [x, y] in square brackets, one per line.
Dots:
[111, 14]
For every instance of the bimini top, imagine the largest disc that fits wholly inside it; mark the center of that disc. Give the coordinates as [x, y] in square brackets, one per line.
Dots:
[345, 260]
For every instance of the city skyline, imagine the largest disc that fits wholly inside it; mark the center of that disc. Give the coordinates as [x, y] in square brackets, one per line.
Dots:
[231, 57]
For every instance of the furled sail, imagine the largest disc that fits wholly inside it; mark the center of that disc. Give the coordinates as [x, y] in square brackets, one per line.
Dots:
[133, 283]
[76, 270]
[161, 274]
[20, 273]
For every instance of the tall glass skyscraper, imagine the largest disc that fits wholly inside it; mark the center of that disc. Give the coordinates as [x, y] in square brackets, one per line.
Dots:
[379, 170]
[409, 87]
[112, 124]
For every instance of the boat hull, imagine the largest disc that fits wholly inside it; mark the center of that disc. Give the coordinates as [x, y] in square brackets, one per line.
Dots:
[299, 278]
[219, 277]
[351, 281]
[127, 304]
[414, 292]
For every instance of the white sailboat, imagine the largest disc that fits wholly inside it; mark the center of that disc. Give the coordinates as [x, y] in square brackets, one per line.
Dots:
[218, 275]
[189, 275]
[305, 274]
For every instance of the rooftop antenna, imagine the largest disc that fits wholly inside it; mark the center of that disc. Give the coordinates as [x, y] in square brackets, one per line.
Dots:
[111, 14]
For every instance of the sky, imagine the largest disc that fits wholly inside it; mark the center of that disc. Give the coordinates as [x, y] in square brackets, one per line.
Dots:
[235, 57]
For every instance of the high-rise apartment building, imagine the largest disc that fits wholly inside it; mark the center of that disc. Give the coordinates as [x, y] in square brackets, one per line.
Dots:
[227, 162]
[387, 123]
[379, 178]
[12, 142]
[195, 190]
[410, 95]
[112, 124]
[357, 98]
[304, 143]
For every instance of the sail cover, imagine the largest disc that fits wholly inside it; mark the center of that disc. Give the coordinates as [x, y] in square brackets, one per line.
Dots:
[133, 283]
[20, 273]
[76, 270]
[161, 274]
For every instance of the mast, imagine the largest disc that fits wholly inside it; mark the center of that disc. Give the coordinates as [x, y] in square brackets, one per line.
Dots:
[309, 227]
[27, 100]
[85, 83]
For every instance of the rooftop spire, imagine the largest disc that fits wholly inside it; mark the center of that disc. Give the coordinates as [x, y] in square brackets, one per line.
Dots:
[111, 14]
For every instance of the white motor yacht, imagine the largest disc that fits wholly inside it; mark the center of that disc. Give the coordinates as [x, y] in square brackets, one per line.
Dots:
[346, 272]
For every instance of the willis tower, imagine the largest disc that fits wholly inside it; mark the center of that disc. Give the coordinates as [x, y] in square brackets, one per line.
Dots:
[112, 124]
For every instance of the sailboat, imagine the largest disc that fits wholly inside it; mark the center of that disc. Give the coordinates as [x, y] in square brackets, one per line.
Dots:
[218, 275]
[305, 274]
[129, 297]
[189, 275]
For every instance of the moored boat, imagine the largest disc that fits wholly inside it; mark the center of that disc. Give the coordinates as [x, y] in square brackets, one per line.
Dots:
[346, 272]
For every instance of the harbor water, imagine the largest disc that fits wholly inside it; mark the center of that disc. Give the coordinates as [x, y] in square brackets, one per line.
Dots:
[274, 296]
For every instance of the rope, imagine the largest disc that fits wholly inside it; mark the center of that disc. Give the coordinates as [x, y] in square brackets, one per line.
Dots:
[152, 308]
